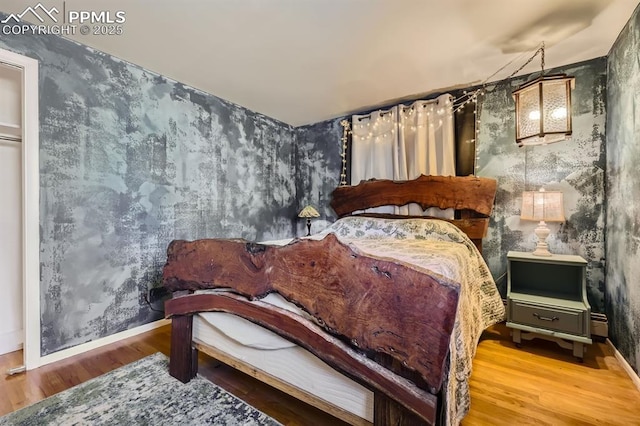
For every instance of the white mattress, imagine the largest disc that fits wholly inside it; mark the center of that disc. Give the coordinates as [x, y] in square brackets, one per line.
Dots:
[278, 357]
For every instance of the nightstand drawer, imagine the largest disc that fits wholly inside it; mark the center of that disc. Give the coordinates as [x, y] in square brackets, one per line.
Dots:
[556, 318]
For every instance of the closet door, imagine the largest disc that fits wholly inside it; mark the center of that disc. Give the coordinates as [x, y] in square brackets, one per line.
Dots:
[11, 308]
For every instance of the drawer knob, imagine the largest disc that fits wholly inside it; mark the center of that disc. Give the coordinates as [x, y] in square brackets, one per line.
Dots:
[543, 318]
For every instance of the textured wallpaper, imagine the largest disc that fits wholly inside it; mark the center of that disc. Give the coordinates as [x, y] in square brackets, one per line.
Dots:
[130, 161]
[318, 174]
[623, 191]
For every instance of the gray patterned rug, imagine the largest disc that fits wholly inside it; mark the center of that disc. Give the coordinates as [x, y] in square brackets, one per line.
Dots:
[141, 393]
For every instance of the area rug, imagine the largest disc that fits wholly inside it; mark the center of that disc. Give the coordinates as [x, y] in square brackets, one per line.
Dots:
[141, 393]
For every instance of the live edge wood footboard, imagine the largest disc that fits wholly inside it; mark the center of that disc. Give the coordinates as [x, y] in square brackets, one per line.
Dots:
[378, 321]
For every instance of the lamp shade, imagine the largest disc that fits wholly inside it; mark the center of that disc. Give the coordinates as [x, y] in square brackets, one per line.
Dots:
[542, 205]
[543, 110]
[309, 211]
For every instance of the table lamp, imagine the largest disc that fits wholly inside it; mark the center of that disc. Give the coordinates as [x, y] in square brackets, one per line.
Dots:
[543, 206]
[308, 212]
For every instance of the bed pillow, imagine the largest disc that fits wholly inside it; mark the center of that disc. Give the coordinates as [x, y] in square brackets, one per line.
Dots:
[413, 228]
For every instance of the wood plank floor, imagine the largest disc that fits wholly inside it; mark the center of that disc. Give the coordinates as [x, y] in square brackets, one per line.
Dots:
[538, 384]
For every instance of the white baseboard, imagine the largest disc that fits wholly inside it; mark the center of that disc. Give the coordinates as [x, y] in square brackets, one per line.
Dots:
[94, 344]
[625, 365]
[11, 341]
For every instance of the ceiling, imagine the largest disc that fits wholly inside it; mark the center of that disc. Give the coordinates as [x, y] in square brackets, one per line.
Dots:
[305, 61]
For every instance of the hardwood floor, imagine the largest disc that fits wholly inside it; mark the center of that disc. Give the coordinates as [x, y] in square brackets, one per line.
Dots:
[542, 384]
[538, 384]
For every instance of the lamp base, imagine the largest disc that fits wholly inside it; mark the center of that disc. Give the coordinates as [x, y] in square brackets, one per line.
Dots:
[542, 232]
[542, 250]
[308, 227]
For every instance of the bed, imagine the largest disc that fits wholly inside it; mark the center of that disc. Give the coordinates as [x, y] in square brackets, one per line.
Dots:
[375, 319]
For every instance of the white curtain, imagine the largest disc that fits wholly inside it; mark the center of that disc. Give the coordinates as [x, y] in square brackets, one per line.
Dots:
[374, 151]
[404, 142]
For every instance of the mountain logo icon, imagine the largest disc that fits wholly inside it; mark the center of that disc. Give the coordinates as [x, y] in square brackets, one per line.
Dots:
[38, 11]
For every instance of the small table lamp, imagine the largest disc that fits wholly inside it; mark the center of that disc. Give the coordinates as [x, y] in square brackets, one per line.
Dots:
[308, 212]
[545, 206]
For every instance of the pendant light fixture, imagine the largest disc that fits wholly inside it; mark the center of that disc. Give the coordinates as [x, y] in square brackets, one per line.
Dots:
[543, 108]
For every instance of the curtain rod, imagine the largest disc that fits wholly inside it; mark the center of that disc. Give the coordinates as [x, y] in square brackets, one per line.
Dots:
[403, 106]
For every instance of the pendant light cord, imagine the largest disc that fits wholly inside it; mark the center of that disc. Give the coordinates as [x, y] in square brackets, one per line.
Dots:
[525, 168]
[468, 97]
[539, 51]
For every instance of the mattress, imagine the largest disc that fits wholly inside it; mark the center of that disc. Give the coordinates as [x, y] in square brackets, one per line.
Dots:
[278, 357]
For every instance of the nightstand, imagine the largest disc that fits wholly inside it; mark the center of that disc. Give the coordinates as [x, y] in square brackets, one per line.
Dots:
[547, 298]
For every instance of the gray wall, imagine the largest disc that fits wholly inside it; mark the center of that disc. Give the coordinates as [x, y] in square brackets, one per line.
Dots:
[576, 167]
[319, 163]
[623, 192]
[128, 162]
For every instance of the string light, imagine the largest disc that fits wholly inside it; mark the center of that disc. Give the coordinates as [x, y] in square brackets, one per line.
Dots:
[346, 130]
[476, 125]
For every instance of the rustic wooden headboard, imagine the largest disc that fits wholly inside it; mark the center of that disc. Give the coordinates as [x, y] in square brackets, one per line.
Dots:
[471, 197]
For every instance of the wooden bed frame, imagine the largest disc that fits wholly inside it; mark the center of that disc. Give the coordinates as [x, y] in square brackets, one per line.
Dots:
[364, 338]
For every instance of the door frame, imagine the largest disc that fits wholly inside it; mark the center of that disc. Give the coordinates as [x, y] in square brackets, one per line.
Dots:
[30, 205]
